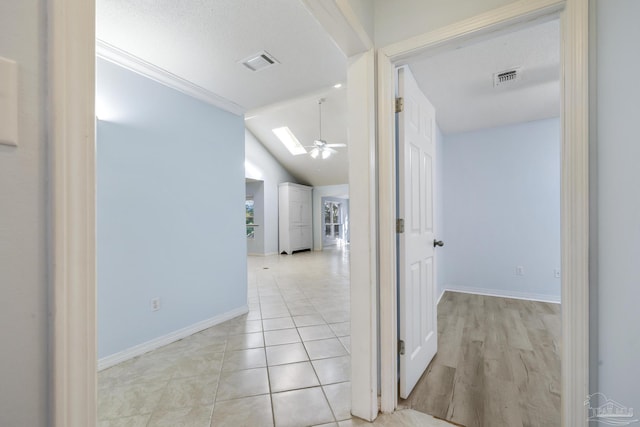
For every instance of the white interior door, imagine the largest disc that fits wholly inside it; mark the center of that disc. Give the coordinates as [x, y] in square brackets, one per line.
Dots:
[417, 294]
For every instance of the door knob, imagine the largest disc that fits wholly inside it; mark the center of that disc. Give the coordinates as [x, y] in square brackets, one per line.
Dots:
[438, 243]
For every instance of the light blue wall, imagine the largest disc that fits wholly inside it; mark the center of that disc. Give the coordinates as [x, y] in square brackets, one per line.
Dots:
[615, 313]
[170, 210]
[261, 165]
[502, 209]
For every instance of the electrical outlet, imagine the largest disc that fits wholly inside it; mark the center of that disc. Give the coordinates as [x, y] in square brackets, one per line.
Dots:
[155, 304]
[556, 273]
[519, 270]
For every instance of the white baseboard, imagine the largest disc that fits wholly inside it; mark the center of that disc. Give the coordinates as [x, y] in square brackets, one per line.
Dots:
[504, 294]
[441, 295]
[137, 350]
[265, 254]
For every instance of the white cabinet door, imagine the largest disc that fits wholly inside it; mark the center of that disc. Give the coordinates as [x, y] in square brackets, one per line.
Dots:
[295, 217]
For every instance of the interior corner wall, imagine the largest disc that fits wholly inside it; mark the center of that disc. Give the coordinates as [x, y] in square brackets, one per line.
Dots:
[24, 308]
[261, 165]
[339, 191]
[616, 326]
[502, 210]
[170, 210]
[255, 246]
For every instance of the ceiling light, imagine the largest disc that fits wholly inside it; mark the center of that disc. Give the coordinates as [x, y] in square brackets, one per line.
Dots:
[314, 153]
[337, 85]
[325, 154]
[289, 140]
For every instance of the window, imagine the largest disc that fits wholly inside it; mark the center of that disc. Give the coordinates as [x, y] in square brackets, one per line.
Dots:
[332, 221]
[249, 214]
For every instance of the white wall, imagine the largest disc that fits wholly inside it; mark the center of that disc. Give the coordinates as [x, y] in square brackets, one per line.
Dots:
[502, 210]
[400, 19]
[261, 165]
[170, 211]
[339, 191]
[617, 331]
[24, 311]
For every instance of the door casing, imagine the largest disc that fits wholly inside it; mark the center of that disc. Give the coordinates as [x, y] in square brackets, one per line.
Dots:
[574, 15]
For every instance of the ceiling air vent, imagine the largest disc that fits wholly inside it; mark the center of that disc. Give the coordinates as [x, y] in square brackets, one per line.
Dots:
[259, 61]
[507, 77]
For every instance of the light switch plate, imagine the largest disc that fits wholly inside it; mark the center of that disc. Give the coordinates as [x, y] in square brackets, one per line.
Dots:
[8, 102]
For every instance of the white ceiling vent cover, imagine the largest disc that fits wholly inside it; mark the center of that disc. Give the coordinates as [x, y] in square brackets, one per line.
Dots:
[259, 61]
[507, 77]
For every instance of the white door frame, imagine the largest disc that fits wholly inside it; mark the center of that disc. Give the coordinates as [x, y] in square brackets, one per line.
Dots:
[71, 137]
[574, 185]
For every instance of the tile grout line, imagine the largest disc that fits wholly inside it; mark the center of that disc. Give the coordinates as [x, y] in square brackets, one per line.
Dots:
[264, 341]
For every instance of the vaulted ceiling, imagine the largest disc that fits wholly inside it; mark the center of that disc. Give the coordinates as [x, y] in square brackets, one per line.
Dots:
[301, 115]
[203, 42]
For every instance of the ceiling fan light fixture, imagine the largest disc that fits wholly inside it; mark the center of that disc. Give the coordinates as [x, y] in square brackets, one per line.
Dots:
[314, 153]
[325, 154]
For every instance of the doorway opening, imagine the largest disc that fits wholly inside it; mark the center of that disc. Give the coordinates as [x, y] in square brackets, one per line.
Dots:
[335, 222]
[497, 207]
[574, 228]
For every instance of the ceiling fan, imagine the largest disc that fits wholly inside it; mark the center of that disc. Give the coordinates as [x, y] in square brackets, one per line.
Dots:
[320, 147]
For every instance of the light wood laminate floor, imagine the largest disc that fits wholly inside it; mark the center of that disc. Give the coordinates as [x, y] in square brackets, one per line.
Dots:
[498, 363]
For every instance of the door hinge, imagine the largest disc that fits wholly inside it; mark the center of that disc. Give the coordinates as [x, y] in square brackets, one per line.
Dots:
[401, 347]
[399, 105]
[399, 225]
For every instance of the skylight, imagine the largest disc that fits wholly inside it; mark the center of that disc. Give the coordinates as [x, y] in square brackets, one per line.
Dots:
[289, 140]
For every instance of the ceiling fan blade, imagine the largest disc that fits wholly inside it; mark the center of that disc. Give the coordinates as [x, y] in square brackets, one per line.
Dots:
[336, 145]
[331, 150]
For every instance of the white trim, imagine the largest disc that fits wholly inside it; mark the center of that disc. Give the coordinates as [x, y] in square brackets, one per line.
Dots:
[363, 252]
[575, 212]
[516, 13]
[132, 63]
[387, 219]
[265, 254]
[71, 138]
[440, 297]
[575, 189]
[137, 350]
[552, 299]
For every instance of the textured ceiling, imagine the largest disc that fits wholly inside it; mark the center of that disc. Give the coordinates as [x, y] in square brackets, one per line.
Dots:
[459, 83]
[301, 116]
[202, 41]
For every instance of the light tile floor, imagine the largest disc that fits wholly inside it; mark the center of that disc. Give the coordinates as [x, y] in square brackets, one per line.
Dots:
[286, 362]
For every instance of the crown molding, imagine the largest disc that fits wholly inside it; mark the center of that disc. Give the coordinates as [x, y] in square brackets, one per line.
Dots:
[131, 62]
